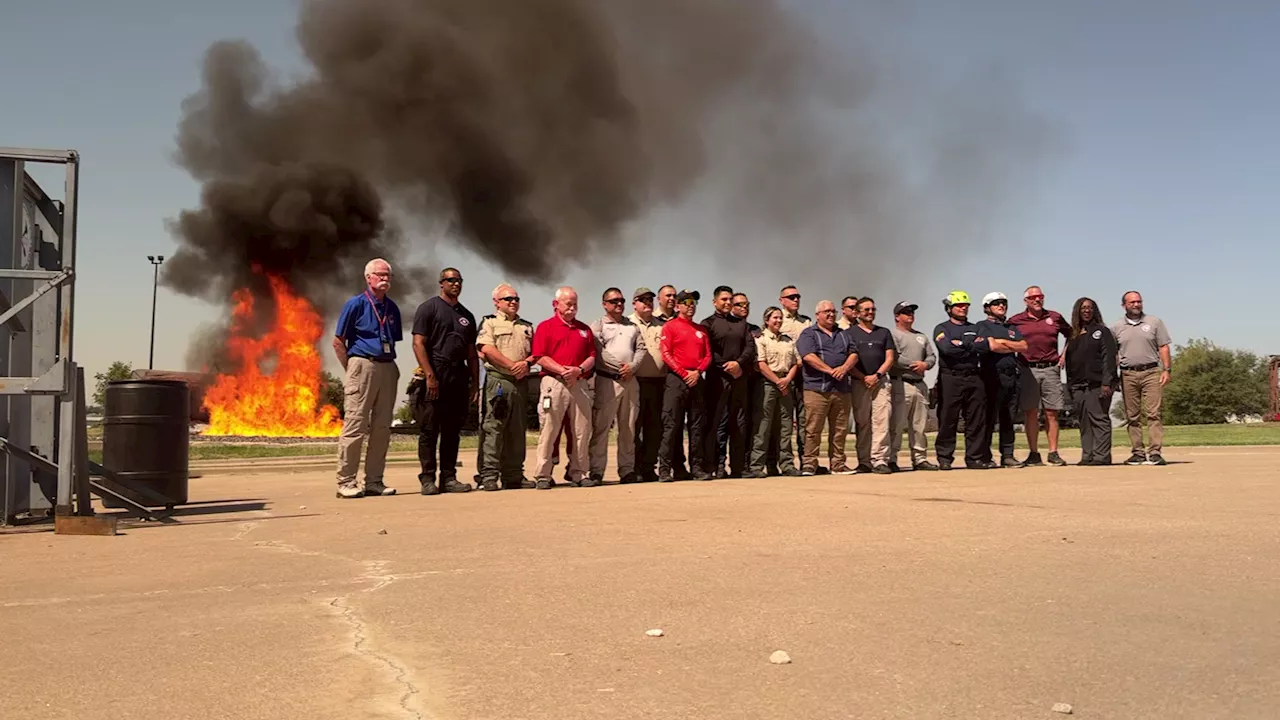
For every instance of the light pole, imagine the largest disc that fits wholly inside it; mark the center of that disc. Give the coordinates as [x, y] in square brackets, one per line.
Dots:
[155, 287]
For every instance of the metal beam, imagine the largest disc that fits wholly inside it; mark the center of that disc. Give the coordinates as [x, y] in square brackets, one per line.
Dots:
[54, 382]
[12, 274]
[40, 155]
[12, 312]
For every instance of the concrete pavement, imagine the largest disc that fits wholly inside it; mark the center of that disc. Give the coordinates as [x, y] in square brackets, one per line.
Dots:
[1126, 592]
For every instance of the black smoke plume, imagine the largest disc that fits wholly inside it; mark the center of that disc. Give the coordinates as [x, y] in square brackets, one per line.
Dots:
[537, 133]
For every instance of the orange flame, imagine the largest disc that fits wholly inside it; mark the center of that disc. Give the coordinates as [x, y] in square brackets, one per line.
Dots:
[286, 402]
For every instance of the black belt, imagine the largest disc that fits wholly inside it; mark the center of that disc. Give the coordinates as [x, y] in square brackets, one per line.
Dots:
[612, 376]
[1043, 365]
[1140, 368]
[959, 372]
[377, 360]
[1085, 385]
[904, 378]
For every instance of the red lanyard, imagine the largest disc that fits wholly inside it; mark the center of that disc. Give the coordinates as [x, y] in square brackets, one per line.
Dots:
[382, 320]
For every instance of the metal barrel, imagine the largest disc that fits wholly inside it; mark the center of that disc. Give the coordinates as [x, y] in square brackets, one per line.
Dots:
[146, 438]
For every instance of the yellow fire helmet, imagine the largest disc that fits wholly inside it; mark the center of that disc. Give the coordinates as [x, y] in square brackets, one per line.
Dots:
[956, 297]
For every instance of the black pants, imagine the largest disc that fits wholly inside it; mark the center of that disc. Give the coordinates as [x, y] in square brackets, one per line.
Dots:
[678, 401]
[649, 426]
[727, 398]
[441, 418]
[754, 390]
[1095, 423]
[961, 395]
[1001, 389]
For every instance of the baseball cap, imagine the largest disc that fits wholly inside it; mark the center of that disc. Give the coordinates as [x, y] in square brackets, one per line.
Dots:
[904, 306]
[641, 292]
[693, 295]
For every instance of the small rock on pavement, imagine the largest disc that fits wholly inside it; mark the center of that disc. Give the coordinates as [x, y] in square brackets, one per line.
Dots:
[1063, 708]
[780, 657]
[302, 507]
[654, 633]
[382, 532]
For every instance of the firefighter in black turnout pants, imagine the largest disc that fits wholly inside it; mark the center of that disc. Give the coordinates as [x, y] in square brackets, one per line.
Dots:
[960, 390]
[1000, 375]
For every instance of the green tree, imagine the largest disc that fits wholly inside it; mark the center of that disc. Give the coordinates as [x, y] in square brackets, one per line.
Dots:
[331, 392]
[119, 370]
[404, 413]
[1210, 382]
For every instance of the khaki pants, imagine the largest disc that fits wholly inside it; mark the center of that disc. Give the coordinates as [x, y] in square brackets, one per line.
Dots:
[872, 411]
[576, 401]
[615, 401]
[369, 403]
[910, 414]
[1142, 394]
[830, 409]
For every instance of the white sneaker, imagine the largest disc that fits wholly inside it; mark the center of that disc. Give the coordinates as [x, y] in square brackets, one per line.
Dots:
[377, 488]
[349, 492]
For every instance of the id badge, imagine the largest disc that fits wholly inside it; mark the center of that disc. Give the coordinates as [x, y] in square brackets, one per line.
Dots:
[386, 348]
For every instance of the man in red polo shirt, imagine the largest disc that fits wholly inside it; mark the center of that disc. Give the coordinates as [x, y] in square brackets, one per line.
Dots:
[686, 351]
[1040, 373]
[566, 350]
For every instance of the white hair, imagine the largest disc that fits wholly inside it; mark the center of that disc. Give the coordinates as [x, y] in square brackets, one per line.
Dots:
[497, 292]
[564, 292]
[818, 308]
[372, 265]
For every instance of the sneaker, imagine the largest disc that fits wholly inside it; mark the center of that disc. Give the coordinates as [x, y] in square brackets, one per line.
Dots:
[861, 469]
[1054, 459]
[430, 488]
[665, 477]
[704, 476]
[453, 486]
[1010, 462]
[1155, 459]
[1032, 460]
[981, 465]
[527, 484]
[349, 492]
[841, 471]
[589, 481]
[375, 489]
[881, 470]
[1136, 459]
[926, 465]
[543, 484]
[490, 485]
[808, 472]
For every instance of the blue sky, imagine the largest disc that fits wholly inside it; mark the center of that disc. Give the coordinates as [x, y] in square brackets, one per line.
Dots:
[1162, 177]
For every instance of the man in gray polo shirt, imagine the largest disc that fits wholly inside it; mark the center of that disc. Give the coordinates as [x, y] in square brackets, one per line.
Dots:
[1145, 363]
[915, 357]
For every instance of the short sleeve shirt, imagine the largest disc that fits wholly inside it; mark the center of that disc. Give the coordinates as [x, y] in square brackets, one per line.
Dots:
[450, 334]
[1003, 362]
[832, 349]
[1041, 334]
[512, 338]
[365, 324]
[776, 351]
[568, 344]
[1140, 341]
[872, 346]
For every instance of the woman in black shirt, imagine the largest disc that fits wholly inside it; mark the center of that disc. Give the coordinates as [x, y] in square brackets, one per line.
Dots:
[1091, 375]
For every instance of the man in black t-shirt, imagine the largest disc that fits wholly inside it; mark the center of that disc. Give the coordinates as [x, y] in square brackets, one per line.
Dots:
[872, 394]
[446, 382]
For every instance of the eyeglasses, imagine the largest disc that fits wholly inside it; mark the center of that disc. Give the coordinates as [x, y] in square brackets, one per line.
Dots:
[613, 301]
[381, 274]
[793, 296]
[826, 312]
[510, 298]
[453, 280]
[868, 310]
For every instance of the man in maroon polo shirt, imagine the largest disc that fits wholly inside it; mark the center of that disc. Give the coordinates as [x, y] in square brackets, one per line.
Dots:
[1040, 372]
[566, 350]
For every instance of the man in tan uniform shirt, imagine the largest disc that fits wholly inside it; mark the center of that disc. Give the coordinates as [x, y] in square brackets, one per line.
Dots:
[793, 323]
[652, 375]
[505, 343]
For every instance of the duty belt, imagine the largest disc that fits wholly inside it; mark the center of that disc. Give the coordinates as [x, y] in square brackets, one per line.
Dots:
[1139, 368]
[961, 372]
[1044, 364]
[611, 375]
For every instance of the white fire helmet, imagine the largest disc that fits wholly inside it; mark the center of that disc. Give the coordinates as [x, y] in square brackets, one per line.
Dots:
[992, 297]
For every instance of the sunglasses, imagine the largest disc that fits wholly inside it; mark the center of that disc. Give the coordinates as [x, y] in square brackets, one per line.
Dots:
[793, 296]
[451, 280]
[689, 302]
[1034, 297]
[510, 298]
[613, 301]
[746, 305]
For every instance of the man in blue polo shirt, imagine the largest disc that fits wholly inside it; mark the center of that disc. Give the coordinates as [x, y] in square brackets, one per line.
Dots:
[365, 344]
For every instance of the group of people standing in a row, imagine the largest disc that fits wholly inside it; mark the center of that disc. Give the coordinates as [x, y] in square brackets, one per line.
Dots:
[654, 375]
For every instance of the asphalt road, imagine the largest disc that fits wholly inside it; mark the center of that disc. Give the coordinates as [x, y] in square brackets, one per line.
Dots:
[1126, 592]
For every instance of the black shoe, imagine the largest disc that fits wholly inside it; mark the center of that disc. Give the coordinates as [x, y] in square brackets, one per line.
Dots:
[981, 465]
[589, 482]
[543, 484]
[704, 476]
[944, 464]
[1086, 461]
[861, 469]
[1055, 459]
[926, 465]
[1010, 461]
[665, 477]
[453, 486]
[527, 484]
[893, 467]
[490, 485]
[754, 475]
[628, 479]
[881, 470]
[430, 489]
[681, 474]
[1136, 459]
[1155, 459]
[1032, 460]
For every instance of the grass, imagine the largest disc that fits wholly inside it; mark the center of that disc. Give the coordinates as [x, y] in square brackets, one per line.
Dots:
[1186, 435]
